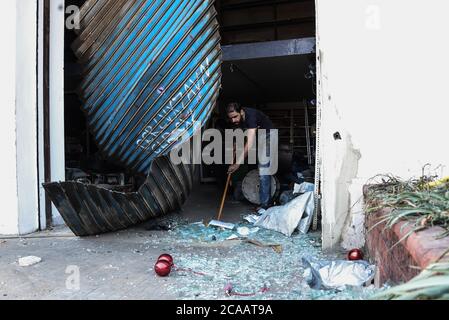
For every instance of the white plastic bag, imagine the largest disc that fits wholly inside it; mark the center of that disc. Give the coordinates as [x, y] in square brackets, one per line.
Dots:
[337, 274]
[287, 218]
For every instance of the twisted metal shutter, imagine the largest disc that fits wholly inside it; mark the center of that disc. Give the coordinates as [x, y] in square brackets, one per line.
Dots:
[151, 77]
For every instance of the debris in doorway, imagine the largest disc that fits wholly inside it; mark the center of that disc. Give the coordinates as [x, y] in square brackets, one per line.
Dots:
[221, 224]
[155, 225]
[298, 189]
[233, 237]
[243, 231]
[337, 274]
[252, 218]
[303, 188]
[254, 230]
[78, 175]
[227, 261]
[199, 223]
[286, 197]
[164, 224]
[276, 247]
[117, 181]
[29, 261]
[355, 254]
[296, 214]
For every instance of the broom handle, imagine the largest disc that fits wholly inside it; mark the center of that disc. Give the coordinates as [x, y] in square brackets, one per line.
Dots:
[224, 197]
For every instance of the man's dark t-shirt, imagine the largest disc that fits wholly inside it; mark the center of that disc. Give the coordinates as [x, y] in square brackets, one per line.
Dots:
[255, 119]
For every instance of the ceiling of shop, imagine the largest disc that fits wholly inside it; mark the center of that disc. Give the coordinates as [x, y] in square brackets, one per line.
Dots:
[268, 79]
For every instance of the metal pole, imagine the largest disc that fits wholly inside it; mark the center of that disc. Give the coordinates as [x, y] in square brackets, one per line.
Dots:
[309, 149]
[46, 94]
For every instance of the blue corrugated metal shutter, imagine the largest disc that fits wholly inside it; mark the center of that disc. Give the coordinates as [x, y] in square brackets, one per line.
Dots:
[151, 74]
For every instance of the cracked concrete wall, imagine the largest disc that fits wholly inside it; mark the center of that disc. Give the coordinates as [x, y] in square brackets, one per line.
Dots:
[382, 78]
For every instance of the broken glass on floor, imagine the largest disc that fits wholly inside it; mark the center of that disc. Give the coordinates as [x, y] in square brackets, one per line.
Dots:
[208, 265]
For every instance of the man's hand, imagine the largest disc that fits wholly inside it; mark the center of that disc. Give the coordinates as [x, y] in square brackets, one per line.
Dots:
[233, 168]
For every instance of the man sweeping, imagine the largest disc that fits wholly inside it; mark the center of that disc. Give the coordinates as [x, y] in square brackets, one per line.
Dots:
[252, 120]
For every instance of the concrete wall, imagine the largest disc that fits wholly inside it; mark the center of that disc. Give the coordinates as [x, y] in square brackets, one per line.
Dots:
[26, 115]
[383, 71]
[21, 124]
[8, 186]
[18, 139]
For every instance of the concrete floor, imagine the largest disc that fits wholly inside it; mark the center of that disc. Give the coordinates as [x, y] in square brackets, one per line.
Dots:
[119, 265]
[204, 203]
[111, 266]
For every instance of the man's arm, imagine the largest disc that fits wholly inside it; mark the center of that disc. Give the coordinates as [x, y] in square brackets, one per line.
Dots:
[248, 145]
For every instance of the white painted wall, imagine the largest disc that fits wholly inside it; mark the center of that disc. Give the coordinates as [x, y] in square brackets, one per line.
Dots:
[8, 186]
[18, 122]
[57, 25]
[383, 86]
[21, 124]
[26, 115]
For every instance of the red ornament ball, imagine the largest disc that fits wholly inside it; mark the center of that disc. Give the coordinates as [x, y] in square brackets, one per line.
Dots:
[166, 257]
[162, 268]
[355, 254]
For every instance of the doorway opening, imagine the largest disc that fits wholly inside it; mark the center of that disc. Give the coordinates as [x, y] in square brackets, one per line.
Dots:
[268, 64]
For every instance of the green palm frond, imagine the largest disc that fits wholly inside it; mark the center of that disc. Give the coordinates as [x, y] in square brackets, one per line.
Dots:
[432, 283]
[419, 206]
[411, 201]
